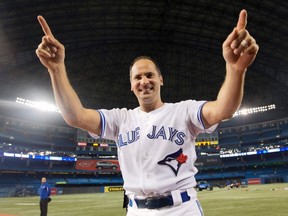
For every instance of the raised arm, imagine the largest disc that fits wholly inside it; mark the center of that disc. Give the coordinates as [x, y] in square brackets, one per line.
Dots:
[239, 51]
[51, 54]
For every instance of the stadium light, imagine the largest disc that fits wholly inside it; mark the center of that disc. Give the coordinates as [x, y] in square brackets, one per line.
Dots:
[43, 106]
[255, 110]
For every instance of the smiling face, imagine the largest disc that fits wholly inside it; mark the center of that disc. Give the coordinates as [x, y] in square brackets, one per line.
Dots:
[146, 82]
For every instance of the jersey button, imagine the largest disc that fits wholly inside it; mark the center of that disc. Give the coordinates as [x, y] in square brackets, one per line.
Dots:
[146, 155]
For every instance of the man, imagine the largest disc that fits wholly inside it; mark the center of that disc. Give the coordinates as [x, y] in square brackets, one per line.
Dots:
[44, 196]
[154, 140]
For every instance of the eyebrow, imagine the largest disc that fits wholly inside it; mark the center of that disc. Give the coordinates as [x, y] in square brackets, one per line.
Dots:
[144, 74]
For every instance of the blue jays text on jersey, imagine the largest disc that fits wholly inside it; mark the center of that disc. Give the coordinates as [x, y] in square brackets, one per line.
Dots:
[157, 132]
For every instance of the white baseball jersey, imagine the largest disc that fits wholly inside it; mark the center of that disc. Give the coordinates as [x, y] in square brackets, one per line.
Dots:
[156, 150]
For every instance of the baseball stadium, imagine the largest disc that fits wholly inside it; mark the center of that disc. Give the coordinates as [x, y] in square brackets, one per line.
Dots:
[242, 165]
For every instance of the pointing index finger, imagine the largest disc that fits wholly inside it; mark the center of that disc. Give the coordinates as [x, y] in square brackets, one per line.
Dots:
[45, 27]
[242, 21]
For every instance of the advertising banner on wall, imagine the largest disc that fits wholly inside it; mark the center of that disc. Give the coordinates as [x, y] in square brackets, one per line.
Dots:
[113, 189]
[208, 161]
[96, 164]
[254, 181]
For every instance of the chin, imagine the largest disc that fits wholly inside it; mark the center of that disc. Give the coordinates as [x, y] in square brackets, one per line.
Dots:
[145, 100]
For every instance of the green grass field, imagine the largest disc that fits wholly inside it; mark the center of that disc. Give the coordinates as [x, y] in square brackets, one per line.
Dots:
[264, 200]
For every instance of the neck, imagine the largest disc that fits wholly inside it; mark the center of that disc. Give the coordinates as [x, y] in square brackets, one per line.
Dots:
[150, 107]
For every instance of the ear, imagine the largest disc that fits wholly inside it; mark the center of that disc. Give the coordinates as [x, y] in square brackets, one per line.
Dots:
[161, 80]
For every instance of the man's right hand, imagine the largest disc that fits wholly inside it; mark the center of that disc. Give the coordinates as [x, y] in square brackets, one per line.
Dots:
[50, 51]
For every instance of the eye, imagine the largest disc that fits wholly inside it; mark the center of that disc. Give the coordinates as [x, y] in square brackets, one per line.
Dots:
[137, 77]
[149, 75]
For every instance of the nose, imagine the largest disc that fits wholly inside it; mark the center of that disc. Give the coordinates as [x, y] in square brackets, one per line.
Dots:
[144, 80]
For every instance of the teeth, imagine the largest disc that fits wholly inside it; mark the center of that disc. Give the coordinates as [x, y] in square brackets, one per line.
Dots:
[146, 88]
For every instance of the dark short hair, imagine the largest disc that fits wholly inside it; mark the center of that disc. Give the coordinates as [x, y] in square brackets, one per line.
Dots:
[148, 58]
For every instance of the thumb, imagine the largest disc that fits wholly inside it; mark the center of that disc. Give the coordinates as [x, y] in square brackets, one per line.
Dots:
[230, 38]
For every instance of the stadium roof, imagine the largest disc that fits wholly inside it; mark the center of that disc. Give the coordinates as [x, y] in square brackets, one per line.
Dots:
[103, 37]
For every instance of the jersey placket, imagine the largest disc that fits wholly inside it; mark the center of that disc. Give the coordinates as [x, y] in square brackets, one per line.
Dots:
[144, 150]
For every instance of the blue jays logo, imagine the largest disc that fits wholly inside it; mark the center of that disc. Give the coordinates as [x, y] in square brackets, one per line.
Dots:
[174, 160]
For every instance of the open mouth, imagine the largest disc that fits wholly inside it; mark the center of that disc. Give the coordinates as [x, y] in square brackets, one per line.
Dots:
[146, 89]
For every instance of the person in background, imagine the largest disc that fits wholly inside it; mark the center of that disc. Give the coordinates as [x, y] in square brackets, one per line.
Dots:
[125, 201]
[44, 192]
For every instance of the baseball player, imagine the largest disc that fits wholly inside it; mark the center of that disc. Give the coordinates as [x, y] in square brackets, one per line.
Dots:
[156, 141]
